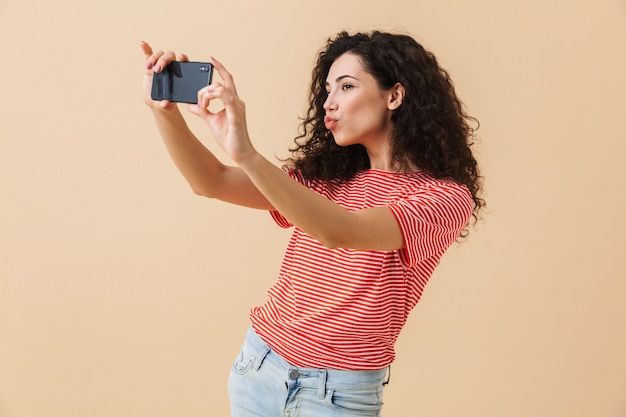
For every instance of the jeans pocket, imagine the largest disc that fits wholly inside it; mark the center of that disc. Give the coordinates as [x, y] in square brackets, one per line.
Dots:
[243, 362]
[251, 356]
[356, 402]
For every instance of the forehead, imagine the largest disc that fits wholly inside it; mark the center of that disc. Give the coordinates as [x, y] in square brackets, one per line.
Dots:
[346, 64]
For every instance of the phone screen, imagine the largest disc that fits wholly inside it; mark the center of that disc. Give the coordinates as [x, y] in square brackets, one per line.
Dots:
[180, 81]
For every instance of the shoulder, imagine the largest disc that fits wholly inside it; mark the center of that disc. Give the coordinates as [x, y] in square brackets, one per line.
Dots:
[422, 181]
[409, 183]
[437, 197]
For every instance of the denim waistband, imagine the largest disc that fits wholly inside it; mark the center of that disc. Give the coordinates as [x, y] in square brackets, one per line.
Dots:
[313, 377]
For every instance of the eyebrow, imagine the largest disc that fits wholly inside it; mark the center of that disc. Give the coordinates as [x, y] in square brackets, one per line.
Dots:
[341, 78]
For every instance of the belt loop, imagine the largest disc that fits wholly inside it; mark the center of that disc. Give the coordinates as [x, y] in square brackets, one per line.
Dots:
[258, 360]
[321, 388]
[386, 382]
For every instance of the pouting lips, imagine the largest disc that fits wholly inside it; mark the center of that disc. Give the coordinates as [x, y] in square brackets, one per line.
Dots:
[329, 122]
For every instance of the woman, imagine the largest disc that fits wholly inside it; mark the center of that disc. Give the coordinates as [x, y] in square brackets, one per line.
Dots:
[381, 182]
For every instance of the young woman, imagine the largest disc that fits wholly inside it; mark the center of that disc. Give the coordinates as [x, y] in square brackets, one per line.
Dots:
[381, 182]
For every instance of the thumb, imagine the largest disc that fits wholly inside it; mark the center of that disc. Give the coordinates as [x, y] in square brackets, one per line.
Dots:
[198, 111]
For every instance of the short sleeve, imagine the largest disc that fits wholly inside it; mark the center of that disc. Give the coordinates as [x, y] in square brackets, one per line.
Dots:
[276, 215]
[280, 219]
[431, 220]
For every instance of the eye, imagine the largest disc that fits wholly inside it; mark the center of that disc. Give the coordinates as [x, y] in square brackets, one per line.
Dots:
[346, 86]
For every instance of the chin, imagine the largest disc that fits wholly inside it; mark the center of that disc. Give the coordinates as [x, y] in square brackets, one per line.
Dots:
[343, 141]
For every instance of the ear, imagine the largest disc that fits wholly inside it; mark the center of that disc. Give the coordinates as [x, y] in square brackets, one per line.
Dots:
[396, 95]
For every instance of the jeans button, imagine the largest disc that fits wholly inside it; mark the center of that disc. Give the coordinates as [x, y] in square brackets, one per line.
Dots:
[293, 374]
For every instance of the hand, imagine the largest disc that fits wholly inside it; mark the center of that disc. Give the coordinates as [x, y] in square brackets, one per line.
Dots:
[229, 124]
[156, 62]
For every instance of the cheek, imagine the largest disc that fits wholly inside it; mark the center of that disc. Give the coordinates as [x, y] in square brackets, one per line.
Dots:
[365, 111]
[371, 114]
[360, 110]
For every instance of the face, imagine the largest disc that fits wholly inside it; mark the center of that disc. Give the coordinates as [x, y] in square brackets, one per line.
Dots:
[357, 110]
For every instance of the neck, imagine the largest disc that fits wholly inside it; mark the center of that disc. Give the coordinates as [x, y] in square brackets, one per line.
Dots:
[381, 158]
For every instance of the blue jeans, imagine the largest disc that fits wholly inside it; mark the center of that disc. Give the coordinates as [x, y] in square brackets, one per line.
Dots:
[262, 383]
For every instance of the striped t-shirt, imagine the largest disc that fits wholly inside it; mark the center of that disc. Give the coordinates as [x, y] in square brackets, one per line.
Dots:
[344, 308]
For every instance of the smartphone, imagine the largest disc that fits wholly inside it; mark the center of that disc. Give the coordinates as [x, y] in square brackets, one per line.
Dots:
[180, 81]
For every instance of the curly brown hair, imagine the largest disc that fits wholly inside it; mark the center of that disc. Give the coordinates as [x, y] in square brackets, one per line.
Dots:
[431, 128]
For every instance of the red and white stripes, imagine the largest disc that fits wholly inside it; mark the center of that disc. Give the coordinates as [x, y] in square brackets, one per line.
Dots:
[342, 308]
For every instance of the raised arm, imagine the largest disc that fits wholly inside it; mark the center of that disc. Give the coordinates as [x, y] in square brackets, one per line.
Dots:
[206, 175]
[328, 222]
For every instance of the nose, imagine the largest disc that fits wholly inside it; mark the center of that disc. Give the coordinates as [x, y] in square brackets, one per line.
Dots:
[330, 103]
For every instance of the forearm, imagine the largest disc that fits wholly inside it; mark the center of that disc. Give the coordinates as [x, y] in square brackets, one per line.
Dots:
[196, 163]
[303, 207]
[327, 221]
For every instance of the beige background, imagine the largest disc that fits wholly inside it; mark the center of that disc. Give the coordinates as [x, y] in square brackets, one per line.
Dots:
[124, 295]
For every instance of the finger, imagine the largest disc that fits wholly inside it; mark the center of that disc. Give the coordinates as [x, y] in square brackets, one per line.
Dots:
[166, 104]
[152, 59]
[206, 94]
[215, 91]
[164, 60]
[224, 74]
[182, 57]
[146, 48]
[198, 110]
[148, 54]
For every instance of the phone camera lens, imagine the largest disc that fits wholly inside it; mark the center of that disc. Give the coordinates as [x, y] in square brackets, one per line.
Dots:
[204, 68]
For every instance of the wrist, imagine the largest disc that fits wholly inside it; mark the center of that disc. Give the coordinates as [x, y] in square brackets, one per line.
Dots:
[249, 159]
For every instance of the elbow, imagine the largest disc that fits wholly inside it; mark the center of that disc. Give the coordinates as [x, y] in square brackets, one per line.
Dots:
[333, 241]
[209, 185]
[329, 245]
[202, 191]
[339, 235]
